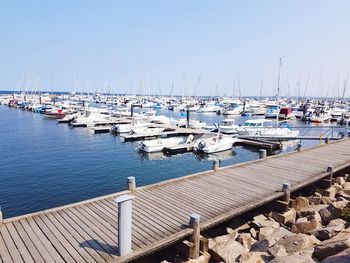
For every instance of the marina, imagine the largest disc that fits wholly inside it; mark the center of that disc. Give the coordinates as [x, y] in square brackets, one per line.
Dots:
[58, 167]
[175, 131]
[88, 231]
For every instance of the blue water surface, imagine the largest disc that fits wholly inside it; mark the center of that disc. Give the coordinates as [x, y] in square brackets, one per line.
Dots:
[44, 164]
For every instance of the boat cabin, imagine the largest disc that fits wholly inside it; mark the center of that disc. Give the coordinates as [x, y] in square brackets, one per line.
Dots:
[286, 113]
[258, 123]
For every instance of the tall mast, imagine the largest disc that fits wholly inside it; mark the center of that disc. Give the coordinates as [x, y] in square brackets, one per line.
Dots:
[279, 78]
[278, 89]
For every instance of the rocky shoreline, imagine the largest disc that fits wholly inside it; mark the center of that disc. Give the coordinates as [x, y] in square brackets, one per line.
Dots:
[315, 228]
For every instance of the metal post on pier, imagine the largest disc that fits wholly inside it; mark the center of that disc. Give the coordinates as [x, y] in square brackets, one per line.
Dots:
[327, 140]
[332, 133]
[330, 170]
[216, 165]
[195, 237]
[124, 203]
[187, 118]
[299, 147]
[286, 191]
[131, 184]
[262, 154]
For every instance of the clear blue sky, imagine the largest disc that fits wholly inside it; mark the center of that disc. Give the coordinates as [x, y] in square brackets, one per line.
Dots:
[118, 43]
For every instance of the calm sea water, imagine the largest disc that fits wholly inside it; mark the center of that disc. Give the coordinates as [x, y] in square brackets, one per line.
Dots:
[44, 164]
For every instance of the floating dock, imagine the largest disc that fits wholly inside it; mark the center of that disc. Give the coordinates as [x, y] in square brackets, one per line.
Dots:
[88, 231]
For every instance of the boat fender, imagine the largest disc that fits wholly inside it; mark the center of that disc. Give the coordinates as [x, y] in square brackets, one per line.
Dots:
[201, 144]
[190, 138]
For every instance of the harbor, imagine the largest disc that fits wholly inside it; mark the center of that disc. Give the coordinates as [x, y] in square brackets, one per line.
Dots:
[175, 132]
[88, 231]
[105, 169]
[181, 137]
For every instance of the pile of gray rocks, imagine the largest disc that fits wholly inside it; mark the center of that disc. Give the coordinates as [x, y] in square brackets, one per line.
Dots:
[315, 232]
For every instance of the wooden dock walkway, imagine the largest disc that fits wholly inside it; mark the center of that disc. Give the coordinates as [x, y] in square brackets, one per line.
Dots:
[87, 231]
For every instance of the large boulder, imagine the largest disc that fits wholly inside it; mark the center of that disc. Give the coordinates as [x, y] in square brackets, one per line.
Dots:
[246, 240]
[286, 217]
[297, 242]
[254, 257]
[300, 202]
[280, 232]
[331, 247]
[332, 211]
[265, 232]
[346, 186]
[278, 251]
[293, 259]
[263, 221]
[311, 210]
[341, 257]
[204, 258]
[304, 226]
[225, 248]
[340, 180]
[314, 200]
[263, 245]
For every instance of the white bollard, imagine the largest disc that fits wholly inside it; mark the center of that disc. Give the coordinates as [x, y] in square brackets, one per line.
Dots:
[124, 223]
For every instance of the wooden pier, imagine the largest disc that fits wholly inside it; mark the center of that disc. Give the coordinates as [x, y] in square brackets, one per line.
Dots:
[88, 231]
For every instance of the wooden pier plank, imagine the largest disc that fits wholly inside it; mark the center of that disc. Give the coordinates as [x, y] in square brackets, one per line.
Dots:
[34, 252]
[47, 225]
[51, 220]
[14, 252]
[19, 243]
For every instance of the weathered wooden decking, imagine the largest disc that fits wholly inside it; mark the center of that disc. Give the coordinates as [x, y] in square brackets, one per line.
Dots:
[87, 231]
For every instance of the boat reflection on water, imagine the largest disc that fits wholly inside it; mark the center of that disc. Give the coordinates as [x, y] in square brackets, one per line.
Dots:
[287, 146]
[152, 156]
[224, 155]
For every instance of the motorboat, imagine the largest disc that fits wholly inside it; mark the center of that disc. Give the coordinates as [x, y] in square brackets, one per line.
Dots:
[227, 126]
[160, 144]
[265, 128]
[286, 113]
[320, 115]
[233, 110]
[127, 128]
[209, 108]
[146, 130]
[55, 113]
[272, 110]
[160, 119]
[213, 144]
[193, 123]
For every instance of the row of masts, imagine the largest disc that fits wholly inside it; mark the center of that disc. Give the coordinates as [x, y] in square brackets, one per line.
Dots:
[191, 87]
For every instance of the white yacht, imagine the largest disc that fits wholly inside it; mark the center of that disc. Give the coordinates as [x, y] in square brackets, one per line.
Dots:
[158, 145]
[227, 126]
[213, 144]
[265, 128]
